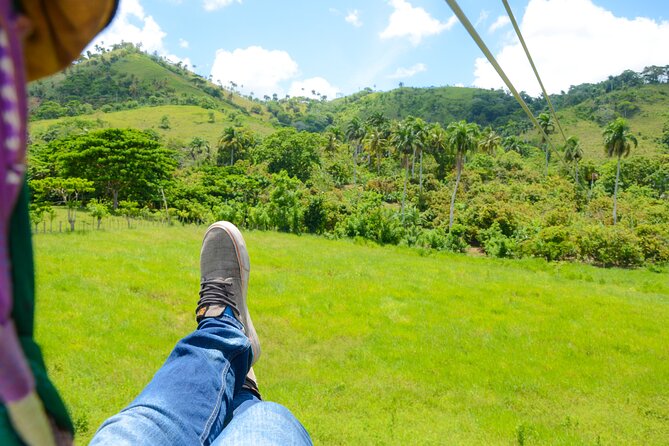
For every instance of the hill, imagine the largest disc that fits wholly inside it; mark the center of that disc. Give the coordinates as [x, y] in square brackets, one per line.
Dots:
[126, 86]
[393, 347]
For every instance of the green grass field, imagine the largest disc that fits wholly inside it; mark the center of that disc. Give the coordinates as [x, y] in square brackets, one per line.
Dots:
[373, 345]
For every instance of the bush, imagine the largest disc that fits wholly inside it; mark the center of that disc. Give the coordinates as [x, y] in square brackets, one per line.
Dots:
[432, 238]
[609, 246]
[373, 221]
[496, 244]
[315, 216]
[654, 242]
[455, 239]
[552, 243]
[259, 218]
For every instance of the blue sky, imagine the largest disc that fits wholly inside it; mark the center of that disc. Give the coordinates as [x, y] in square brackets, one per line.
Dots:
[339, 47]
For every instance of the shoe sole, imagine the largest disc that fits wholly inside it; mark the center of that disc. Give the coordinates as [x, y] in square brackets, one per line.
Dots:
[243, 259]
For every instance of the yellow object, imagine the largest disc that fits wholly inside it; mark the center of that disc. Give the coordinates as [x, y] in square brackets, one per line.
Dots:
[29, 420]
[60, 30]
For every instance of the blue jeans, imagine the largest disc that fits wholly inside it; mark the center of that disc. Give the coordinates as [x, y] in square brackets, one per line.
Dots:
[196, 398]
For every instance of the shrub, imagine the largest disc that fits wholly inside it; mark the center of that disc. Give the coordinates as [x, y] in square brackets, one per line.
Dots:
[373, 221]
[315, 216]
[432, 238]
[552, 243]
[496, 244]
[455, 239]
[654, 242]
[609, 246]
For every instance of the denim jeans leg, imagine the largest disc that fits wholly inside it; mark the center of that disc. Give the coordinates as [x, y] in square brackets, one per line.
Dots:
[261, 423]
[190, 398]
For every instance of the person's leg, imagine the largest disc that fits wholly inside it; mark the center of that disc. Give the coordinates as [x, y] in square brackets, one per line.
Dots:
[264, 424]
[259, 423]
[189, 400]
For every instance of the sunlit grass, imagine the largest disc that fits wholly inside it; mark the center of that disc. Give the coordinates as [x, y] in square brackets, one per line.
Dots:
[374, 345]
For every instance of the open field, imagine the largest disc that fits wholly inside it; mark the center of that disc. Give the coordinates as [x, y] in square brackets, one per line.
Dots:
[373, 345]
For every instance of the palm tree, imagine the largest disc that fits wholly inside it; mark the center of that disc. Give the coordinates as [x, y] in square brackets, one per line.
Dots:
[514, 144]
[375, 143]
[233, 140]
[490, 141]
[419, 128]
[197, 147]
[546, 124]
[333, 136]
[437, 145]
[404, 140]
[573, 154]
[618, 142]
[355, 132]
[462, 138]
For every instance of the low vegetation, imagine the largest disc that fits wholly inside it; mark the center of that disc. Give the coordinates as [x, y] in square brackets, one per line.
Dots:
[445, 168]
[373, 345]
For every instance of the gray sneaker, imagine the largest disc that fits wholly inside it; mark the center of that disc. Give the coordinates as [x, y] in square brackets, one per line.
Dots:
[224, 278]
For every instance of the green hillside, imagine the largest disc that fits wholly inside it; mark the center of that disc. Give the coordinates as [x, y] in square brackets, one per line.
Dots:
[185, 122]
[126, 86]
[449, 168]
[373, 345]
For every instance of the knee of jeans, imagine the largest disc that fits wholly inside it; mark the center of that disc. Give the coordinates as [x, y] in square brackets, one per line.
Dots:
[268, 409]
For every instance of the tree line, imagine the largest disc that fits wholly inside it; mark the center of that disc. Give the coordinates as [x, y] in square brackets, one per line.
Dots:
[454, 187]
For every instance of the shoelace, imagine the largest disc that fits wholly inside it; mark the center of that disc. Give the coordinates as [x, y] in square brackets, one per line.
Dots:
[217, 292]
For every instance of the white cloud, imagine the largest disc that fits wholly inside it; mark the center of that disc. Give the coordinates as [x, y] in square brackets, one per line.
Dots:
[185, 61]
[212, 5]
[259, 70]
[413, 22]
[319, 85]
[501, 22]
[580, 43]
[133, 25]
[353, 18]
[403, 73]
[483, 16]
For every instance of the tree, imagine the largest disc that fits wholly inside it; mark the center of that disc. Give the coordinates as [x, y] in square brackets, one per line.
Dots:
[290, 150]
[333, 136]
[618, 142]
[419, 128]
[164, 122]
[405, 140]
[66, 189]
[573, 154]
[546, 124]
[197, 147]
[129, 209]
[124, 162]
[462, 138]
[355, 133]
[490, 141]
[437, 145]
[375, 143]
[233, 141]
[97, 209]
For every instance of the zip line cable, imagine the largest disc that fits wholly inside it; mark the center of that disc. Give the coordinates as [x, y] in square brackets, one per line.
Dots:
[472, 32]
[534, 68]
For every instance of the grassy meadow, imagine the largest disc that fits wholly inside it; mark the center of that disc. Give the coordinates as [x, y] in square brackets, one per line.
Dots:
[373, 345]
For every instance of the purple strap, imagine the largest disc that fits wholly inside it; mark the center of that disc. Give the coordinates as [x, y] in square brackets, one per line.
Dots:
[16, 380]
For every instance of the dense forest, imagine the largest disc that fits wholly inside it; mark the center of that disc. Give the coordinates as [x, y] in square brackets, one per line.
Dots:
[458, 169]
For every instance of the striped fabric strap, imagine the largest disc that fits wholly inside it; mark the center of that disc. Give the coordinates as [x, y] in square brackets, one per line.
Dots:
[17, 384]
[29, 419]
